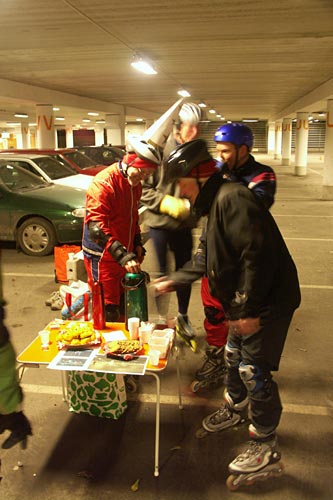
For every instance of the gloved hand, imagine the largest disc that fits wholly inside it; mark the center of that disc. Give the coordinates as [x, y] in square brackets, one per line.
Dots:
[178, 208]
[140, 253]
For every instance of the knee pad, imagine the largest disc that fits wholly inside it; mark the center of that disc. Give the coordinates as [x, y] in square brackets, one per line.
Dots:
[254, 379]
[231, 356]
[112, 313]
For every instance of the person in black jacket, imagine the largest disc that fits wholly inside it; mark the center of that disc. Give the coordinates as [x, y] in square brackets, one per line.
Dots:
[251, 273]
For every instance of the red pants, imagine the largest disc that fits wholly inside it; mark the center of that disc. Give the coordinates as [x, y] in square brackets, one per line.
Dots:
[215, 323]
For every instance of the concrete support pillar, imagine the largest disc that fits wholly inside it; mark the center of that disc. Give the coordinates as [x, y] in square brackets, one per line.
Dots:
[25, 134]
[46, 134]
[115, 129]
[99, 136]
[69, 137]
[286, 140]
[301, 144]
[328, 161]
[278, 140]
[271, 138]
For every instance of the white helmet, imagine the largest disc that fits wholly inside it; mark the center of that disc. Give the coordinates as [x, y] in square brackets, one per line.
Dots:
[190, 113]
[144, 149]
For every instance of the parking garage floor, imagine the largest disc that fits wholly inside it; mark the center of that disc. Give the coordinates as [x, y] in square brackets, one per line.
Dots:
[78, 457]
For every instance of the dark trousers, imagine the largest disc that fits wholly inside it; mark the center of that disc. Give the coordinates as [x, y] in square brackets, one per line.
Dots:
[180, 244]
[251, 360]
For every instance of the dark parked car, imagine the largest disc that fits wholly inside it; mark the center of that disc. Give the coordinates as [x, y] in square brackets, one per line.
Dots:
[102, 154]
[38, 214]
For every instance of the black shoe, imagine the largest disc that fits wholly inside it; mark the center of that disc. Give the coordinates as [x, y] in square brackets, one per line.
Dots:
[21, 429]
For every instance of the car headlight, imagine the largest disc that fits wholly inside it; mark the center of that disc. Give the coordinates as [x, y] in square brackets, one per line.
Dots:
[79, 212]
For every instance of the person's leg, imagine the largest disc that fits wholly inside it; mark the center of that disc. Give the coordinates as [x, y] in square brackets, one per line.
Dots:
[160, 242]
[181, 244]
[261, 354]
[234, 407]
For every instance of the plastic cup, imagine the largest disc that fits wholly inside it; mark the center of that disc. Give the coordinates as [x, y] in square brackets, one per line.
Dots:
[44, 336]
[154, 357]
[171, 322]
[133, 327]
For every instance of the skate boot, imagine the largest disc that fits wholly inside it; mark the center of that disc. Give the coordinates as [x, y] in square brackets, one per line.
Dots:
[184, 331]
[229, 415]
[21, 429]
[260, 461]
[212, 371]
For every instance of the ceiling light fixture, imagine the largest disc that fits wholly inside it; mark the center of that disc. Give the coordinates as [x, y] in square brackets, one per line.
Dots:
[202, 105]
[21, 115]
[212, 111]
[56, 109]
[60, 118]
[93, 114]
[144, 65]
[86, 120]
[100, 121]
[183, 93]
[250, 120]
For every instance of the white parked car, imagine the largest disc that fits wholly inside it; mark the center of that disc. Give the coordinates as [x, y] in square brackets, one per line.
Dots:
[49, 169]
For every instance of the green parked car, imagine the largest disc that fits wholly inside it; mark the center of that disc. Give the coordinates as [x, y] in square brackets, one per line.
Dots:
[37, 214]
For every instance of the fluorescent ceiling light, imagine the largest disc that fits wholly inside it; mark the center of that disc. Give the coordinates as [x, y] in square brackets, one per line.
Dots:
[100, 121]
[250, 120]
[60, 118]
[139, 119]
[13, 123]
[93, 114]
[56, 109]
[86, 120]
[143, 65]
[21, 115]
[212, 111]
[202, 105]
[183, 93]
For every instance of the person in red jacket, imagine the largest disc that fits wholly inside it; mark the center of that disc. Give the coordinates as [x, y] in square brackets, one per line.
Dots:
[111, 235]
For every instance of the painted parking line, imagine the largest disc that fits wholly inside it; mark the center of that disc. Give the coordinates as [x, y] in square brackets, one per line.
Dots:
[322, 411]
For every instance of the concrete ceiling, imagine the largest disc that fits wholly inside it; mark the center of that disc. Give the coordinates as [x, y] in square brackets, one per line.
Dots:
[261, 59]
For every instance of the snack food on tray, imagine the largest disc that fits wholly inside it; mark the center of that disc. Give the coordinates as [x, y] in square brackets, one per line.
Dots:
[119, 347]
[77, 334]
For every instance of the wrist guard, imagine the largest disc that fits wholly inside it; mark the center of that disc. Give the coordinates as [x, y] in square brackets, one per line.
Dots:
[120, 254]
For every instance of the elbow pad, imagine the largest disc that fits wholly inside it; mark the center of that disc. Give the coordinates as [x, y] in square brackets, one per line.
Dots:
[120, 254]
[97, 235]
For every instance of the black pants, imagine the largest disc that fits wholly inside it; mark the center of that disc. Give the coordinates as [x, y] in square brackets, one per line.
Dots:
[180, 244]
[250, 360]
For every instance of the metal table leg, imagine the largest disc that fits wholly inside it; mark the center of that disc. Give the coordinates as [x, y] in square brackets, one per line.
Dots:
[157, 422]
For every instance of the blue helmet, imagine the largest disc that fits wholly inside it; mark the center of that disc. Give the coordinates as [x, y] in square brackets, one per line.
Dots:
[237, 133]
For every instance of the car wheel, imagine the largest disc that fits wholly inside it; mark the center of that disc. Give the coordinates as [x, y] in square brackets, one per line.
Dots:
[36, 237]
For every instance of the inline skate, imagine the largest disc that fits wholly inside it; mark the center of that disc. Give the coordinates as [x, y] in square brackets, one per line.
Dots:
[258, 462]
[229, 415]
[212, 371]
[185, 332]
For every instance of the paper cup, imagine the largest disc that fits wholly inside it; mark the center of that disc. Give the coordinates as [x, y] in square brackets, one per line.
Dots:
[133, 327]
[154, 357]
[44, 336]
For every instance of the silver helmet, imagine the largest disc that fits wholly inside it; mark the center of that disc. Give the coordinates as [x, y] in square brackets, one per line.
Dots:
[144, 149]
[190, 113]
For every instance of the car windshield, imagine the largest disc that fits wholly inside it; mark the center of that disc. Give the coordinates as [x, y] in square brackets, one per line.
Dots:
[53, 168]
[80, 159]
[17, 179]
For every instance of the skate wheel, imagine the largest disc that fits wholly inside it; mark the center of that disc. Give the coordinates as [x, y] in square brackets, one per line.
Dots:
[201, 433]
[231, 483]
[195, 386]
